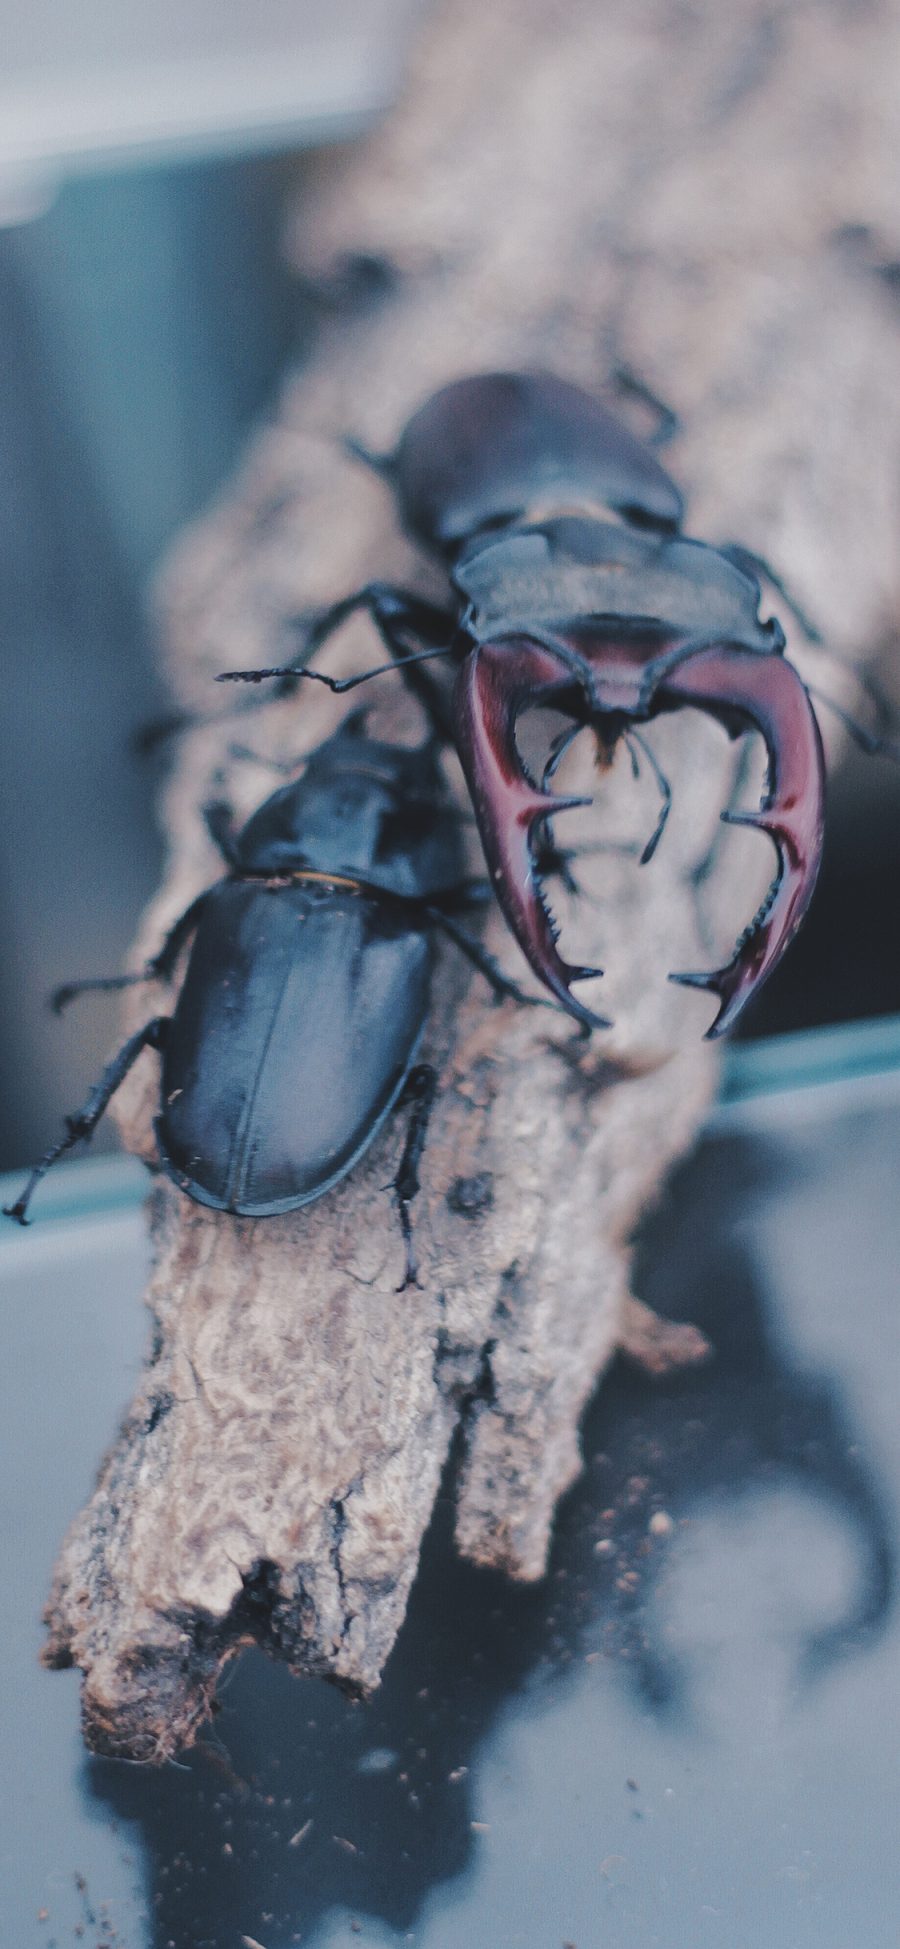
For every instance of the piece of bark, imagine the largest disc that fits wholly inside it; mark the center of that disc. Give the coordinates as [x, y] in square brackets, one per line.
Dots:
[683, 189]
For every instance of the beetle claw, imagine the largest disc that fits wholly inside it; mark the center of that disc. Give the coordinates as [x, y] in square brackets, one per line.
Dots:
[494, 680]
[713, 983]
[757, 821]
[763, 693]
[732, 987]
[745, 690]
[695, 980]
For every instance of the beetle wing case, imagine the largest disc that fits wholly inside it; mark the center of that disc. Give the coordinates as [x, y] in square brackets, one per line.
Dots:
[484, 450]
[308, 1005]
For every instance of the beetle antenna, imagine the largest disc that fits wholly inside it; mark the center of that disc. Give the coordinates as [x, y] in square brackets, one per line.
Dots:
[335, 684]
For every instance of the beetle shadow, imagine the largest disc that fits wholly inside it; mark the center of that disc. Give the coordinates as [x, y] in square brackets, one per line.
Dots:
[300, 1800]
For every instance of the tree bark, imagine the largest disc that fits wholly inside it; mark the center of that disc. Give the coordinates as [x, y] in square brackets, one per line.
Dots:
[706, 195]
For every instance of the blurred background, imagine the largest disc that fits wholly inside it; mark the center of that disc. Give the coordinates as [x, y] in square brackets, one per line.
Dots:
[145, 315]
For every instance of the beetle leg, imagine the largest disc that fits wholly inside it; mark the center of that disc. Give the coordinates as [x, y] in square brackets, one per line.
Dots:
[504, 988]
[668, 422]
[219, 821]
[665, 791]
[873, 743]
[747, 560]
[766, 694]
[553, 860]
[82, 1125]
[421, 1086]
[396, 614]
[158, 968]
[400, 618]
[508, 805]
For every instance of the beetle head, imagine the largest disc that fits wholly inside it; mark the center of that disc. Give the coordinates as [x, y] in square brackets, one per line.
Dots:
[362, 809]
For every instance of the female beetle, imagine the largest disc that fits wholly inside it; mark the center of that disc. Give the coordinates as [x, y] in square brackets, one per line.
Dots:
[571, 583]
[299, 1021]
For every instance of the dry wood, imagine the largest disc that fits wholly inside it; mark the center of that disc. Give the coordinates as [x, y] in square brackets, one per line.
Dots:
[675, 186]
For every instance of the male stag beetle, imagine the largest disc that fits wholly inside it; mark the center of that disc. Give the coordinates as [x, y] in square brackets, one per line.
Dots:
[572, 584]
[298, 1024]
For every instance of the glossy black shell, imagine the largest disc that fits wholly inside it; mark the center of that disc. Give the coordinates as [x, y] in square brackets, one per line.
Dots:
[304, 1002]
[375, 812]
[299, 1018]
[483, 452]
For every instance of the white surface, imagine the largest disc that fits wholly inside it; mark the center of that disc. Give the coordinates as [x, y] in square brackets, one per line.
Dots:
[103, 83]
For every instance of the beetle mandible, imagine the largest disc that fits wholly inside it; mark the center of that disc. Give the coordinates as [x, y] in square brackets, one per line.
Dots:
[572, 584]
[298, 1024]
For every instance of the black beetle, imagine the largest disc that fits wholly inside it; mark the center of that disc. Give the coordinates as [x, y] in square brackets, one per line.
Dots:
[573, 585]
[301, 1013]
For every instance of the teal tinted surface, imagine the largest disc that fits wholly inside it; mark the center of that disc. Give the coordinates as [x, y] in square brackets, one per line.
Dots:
[688, 1736]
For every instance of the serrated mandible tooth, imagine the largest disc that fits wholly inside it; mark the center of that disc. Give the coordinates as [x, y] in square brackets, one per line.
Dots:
[766, 694]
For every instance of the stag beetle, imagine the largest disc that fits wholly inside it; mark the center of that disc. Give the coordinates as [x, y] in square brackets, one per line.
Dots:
[298, 1024]
[572, 584]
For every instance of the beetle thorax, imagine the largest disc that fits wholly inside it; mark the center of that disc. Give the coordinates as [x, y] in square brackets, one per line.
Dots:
[361, 811]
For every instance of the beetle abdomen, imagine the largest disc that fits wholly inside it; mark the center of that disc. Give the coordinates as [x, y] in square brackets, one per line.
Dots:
[299, 1017]
[485, 451]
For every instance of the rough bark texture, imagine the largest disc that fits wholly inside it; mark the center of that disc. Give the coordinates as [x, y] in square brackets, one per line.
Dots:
[679, 187]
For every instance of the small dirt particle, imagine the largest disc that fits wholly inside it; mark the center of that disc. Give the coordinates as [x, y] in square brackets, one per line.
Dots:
[469, 1197]
[297, 1839]
[661, 1523]
[605, 1547]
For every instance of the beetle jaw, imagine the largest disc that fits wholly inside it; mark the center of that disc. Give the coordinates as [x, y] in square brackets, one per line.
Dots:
[744, 689]
[769, 697]
[493, 680]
